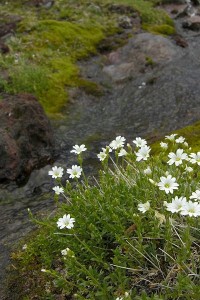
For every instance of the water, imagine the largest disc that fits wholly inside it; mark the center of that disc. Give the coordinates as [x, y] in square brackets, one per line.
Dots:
[149, 102]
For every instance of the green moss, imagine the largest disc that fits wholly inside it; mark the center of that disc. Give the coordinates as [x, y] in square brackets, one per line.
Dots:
[161, 29]
[90, 87]
[153, 19]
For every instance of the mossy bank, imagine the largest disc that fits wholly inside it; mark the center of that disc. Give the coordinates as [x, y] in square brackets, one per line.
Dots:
[48, 43]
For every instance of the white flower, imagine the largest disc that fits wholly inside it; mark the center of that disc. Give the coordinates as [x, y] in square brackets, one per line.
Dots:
[119, 298]
[139, 142]
[24, 247]
[118, 142]
[65, 221]
[147, 171]
[75, 171]
[64, 252]
[56, 172]
[188, 169]
[122, 152]
[78, 149]
[163, 145]
[171, 137]
[176, 205]
[102, 155]
[180, 140]
[58, 190]
[168, 184]
[43, 270]
[191, 209]
[143, 207]
[195, 195]
[177, 158]
[143, 153]
[195, 158]
[185, 144]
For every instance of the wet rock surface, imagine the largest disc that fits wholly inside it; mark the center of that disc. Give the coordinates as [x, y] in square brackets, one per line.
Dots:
[26, 137]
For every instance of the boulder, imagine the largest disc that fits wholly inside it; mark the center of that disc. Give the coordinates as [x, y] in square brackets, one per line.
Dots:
[26, 137]
[192, 23]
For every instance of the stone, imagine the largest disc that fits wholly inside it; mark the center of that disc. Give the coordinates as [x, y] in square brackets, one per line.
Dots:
[26, 137]
[192, 23]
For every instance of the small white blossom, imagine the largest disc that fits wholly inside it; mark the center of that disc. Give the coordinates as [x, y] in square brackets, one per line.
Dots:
[78, 149]
[58, 190]
[185, 144]
[56, 172]
[65, 222]
[176, 205]
[139, 142]
[171, 137]
[153, 182]
[168, 184]
[117, 143]
[188, 169]
[195, 158]
[177, 158]
[180, 140]
[147, 171]
[163, 145]
[64, 252]
[75, 171]
[143, 207]
[43, 270]
[195, 195]
[102, 155]
[24, 247]
[191, 209]
[122, 152]
[143, 153]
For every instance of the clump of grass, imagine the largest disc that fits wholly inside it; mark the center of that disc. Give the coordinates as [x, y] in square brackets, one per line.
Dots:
[122, 236]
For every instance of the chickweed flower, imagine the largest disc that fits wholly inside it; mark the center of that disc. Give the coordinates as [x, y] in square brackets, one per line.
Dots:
[163, 145]
[117, 143]
[56, 172]
[147, 171]
[188, 169]
[143, 153]
[180, 140]
[65, 222]
[195, 158]
[171, 137]
[78, 149]
[102, 155]
[168, 184]
[177, 158]
[191, 209]
[143, 207]
[75, 171]
[139, 142]
[195, 195]
[58, 190]
[176, 205]
[122, 152]
[64, 252]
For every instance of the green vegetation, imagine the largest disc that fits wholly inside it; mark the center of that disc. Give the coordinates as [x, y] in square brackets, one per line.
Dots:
[128, 239]
[49, 42]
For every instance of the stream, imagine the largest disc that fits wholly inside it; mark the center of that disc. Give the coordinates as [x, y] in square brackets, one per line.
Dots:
[137, 100]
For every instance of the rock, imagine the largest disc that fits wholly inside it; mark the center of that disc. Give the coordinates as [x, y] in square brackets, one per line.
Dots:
[26, 138]
[180, 41]
[127, 62]
[44, 3]
[125, 22]
[192, 23]
[121, 9]
[3, 48]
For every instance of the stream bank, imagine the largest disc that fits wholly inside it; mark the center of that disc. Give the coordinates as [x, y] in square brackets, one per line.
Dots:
[141, 97]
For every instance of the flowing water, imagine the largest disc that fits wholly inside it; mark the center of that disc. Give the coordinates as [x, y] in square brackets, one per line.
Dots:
[148, 102]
